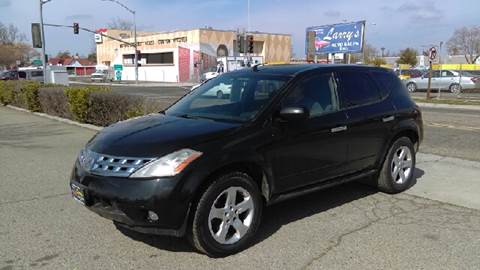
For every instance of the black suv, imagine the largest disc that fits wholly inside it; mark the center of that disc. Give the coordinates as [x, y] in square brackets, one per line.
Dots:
[206, 166]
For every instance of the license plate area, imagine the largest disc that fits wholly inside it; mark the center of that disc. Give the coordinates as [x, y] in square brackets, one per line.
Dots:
[78, 194]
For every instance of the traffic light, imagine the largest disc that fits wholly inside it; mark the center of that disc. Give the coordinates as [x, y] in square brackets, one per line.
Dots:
[240, 43]
[250, 43]
[76, 28]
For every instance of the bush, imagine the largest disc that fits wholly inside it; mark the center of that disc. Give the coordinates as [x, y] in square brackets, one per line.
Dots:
[53, 101]
[6, 92]
[78, 100]
[29, 92]
[107, 108]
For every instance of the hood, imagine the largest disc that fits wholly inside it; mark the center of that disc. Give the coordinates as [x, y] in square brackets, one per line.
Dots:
[156, 135]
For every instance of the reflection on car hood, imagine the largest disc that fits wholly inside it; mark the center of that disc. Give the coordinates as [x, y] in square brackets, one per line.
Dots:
[156, 135]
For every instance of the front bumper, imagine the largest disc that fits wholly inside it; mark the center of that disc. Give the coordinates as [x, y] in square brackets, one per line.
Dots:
[127, 201]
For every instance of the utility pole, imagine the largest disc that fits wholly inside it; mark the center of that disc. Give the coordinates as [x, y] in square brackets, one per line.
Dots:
[44, 58]
[134, 34]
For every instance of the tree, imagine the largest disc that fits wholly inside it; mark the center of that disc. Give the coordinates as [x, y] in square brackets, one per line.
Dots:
[92, 57]
[466, 40]
[120, 24]
[378, 61]
[64, 54]
[369, 54]
[408, 56]
[12, 46]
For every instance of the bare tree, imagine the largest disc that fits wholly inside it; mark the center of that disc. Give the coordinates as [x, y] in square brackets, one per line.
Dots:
[121, 24]
[12, 46]
[466, 40]
[10, 34]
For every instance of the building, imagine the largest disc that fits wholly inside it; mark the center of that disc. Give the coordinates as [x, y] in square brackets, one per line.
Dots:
[74, 65]
[182, 56]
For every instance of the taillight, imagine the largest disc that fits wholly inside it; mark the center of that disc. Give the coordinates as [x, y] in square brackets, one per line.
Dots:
[475, 79]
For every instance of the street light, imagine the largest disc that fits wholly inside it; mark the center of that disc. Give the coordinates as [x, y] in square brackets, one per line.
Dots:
[134, 34]
[42, 36]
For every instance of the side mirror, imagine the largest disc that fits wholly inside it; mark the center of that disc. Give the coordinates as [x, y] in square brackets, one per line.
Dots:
[294, 113]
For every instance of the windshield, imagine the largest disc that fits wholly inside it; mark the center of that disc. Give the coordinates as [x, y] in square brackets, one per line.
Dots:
[229, 97]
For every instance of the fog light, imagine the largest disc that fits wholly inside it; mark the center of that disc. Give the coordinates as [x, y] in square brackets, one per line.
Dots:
[152, 216]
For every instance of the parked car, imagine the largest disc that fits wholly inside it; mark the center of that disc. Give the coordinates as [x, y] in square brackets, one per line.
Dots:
[205, 168]
[443, 80]
[31, 74]
[102, 75]
[405, 74]
[8, 75]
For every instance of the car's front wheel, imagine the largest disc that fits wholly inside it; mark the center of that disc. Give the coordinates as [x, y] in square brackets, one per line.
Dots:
[397, 173]
[411, 87]
[227, 215]
[455, 88]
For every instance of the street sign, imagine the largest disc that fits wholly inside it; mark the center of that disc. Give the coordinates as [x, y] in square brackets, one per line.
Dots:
[98, 38]
[36, 36]
[118, 67]
[118, 72]
[432, 53]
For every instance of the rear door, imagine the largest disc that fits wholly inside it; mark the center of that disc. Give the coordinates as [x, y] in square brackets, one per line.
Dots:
[370, 115]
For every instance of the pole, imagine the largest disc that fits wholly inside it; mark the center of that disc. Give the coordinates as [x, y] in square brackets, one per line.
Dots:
[44, 63]
[135, 41]
[429, 80]
[248, 31]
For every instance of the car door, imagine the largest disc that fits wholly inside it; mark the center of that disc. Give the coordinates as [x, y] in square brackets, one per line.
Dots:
[447, 79]
[370, 116]
[313, 150]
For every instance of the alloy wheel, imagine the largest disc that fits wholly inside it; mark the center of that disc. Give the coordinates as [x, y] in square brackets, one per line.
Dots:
[402, 165]
[231, 215]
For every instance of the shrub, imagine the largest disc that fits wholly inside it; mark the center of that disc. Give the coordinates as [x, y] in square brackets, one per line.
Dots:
[6, 92]
[78, 100]
[53, 101]
[29, 94]
[107, 108]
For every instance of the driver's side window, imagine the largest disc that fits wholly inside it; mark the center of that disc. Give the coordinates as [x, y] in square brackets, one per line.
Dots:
[317, 94]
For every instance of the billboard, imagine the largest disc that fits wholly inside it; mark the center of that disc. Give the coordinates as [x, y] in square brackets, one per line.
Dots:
[335, 38]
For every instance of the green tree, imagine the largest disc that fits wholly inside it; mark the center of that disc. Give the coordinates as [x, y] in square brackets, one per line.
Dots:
[13, 47]
[408, 56]
[64, 54]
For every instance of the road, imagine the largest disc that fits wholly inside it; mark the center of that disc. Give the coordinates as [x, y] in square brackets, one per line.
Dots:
[347, 227]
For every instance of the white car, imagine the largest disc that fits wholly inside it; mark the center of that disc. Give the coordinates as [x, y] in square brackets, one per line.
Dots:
[102, 75]
[220, 91]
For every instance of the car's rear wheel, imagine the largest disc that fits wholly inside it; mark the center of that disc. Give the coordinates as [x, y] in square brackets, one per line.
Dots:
[227, 215]
[411, 87]
[397, 173]
[455, 88]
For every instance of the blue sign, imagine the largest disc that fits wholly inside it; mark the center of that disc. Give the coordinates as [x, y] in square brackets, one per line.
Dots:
[337, 38]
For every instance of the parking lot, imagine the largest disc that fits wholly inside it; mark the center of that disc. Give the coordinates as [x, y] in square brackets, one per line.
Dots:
[434, 225]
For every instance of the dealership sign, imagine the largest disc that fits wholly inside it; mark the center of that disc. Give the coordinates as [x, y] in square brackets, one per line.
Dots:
[335, 38]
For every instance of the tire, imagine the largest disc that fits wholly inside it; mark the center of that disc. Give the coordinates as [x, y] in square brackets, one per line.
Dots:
[411, 87]
[455, 88]
[212, 213]
[219, 94]
[393, 179]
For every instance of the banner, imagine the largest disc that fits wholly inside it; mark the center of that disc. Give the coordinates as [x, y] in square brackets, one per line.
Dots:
[336, 38]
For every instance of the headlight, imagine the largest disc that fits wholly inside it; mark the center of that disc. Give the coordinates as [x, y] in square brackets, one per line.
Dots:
[86, 159]
[168, 165]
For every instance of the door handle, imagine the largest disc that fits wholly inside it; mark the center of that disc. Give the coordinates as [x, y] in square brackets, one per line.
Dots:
[388, 118]
[338, 129]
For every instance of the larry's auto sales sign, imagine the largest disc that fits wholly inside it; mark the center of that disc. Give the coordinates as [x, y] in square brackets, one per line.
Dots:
[337, 38]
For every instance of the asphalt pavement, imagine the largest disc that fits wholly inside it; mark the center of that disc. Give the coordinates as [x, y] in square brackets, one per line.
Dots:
[431, 226]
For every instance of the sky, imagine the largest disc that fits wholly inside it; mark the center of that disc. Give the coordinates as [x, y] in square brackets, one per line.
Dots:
[393, 25]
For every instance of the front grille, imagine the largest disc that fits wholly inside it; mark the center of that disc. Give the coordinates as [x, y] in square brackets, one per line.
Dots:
[116, 166]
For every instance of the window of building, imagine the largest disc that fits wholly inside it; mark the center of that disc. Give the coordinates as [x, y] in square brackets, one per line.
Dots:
[165, 58]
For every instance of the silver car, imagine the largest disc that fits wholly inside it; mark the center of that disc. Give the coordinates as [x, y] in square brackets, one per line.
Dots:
[444, 80]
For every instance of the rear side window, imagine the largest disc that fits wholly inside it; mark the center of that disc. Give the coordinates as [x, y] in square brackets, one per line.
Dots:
[356, 88]
[388, 82]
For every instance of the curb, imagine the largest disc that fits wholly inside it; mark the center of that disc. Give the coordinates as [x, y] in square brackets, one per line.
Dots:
[449, 106]
[135, 85]
[56, 118]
